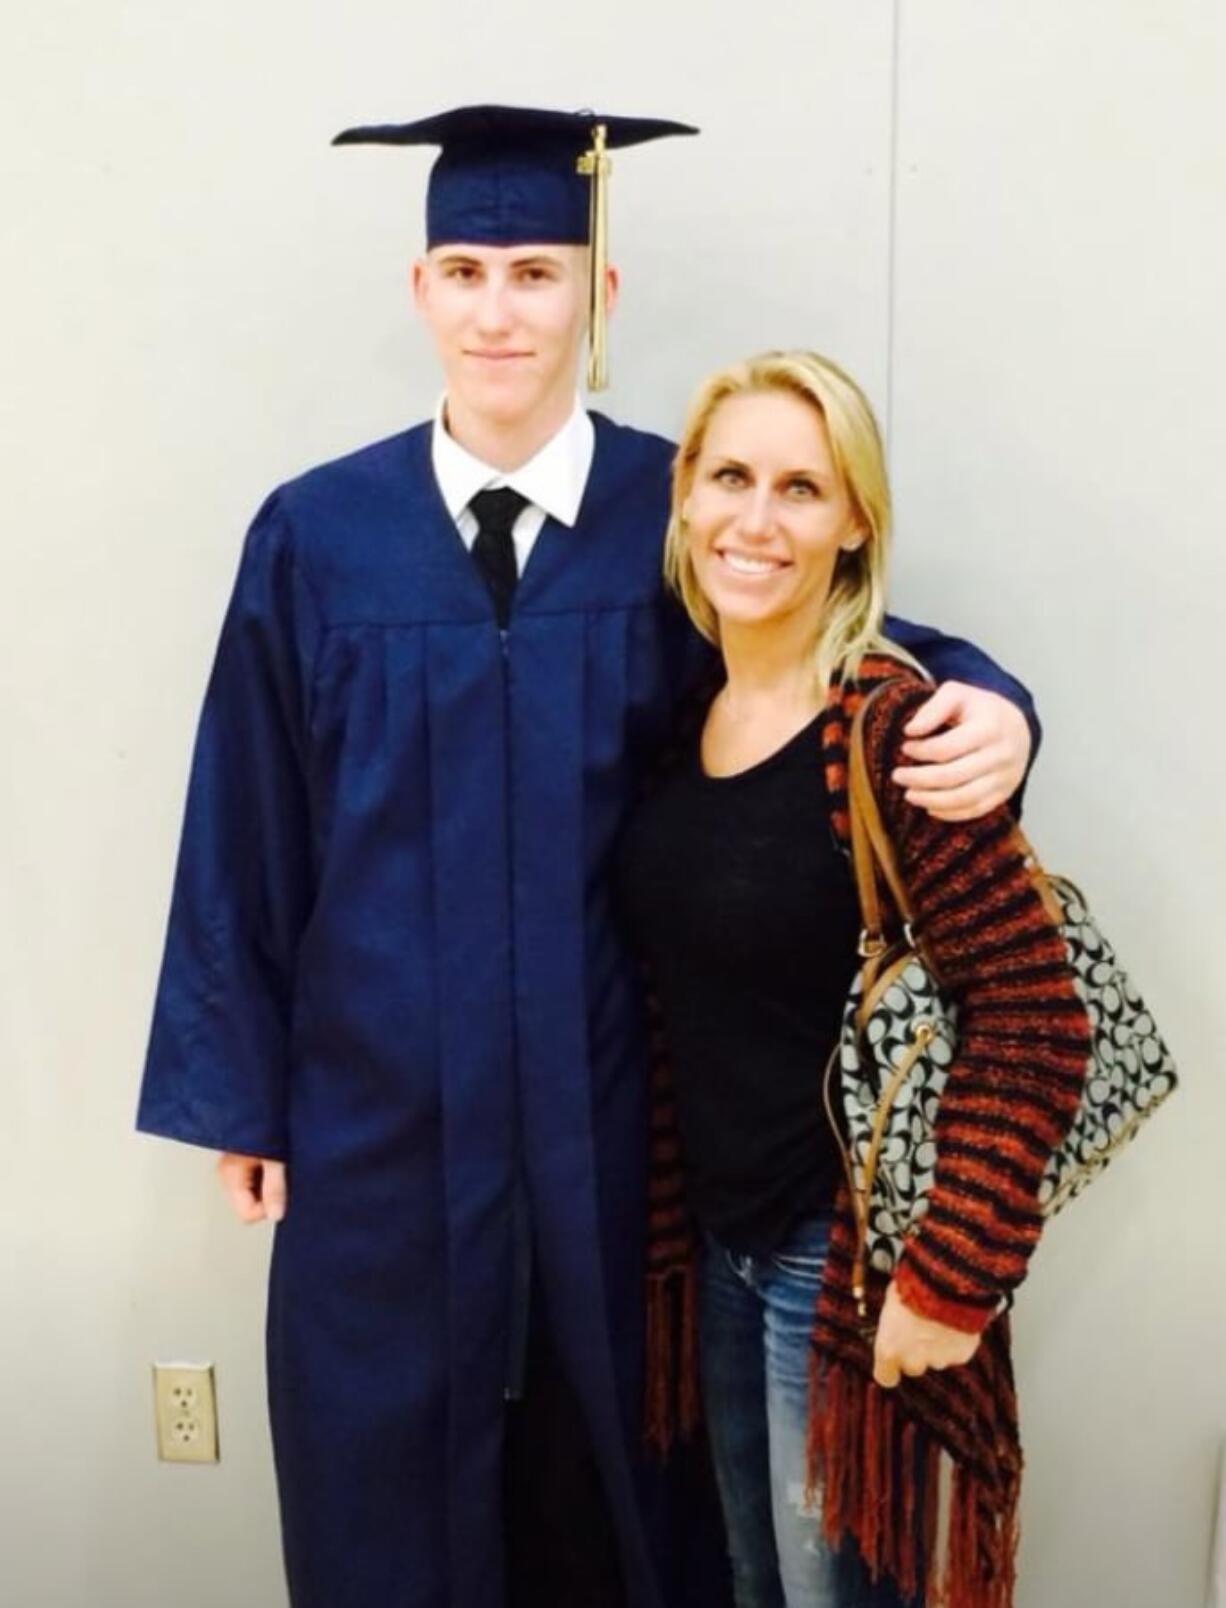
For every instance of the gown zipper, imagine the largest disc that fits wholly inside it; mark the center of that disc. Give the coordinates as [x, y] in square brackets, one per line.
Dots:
[520, 1314]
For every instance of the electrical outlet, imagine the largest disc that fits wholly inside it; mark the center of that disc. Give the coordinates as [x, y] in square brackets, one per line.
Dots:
[185, 1408]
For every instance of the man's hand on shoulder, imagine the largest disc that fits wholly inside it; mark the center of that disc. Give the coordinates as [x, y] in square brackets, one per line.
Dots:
[969, 748]
[255, 1187]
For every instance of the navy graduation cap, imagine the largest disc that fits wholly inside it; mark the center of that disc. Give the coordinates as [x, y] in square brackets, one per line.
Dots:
[515, 175]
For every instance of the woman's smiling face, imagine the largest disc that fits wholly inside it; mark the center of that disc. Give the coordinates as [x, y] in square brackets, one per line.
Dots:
[768, 511]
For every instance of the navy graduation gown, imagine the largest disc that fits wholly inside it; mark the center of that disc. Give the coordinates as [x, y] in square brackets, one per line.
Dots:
[391, 962]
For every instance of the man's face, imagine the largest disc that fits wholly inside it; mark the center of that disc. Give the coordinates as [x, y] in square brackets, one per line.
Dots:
[508, 322]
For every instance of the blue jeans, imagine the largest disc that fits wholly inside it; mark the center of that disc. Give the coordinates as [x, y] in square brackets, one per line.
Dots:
[755, 1320]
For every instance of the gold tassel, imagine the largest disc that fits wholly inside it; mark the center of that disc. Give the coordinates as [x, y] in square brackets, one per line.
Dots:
[596, 165]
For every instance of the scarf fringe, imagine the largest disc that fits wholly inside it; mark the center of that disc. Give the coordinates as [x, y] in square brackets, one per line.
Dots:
[867, 1461]
[672, 1407]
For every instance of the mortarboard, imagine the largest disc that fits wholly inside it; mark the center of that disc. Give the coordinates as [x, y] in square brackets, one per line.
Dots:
[516, 175]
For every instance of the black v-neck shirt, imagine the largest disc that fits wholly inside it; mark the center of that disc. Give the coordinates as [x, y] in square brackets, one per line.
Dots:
[744, 907]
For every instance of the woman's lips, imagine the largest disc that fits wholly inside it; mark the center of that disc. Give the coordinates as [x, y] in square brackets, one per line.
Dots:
[750, 565]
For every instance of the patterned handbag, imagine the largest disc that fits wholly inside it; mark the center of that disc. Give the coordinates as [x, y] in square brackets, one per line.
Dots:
[899, 1038]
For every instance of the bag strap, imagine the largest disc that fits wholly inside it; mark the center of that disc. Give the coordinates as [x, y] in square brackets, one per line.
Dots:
[871, 848]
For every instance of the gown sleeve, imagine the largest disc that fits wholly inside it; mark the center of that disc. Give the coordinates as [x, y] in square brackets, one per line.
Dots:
[217, 1065]
[949, 658]
[1023, 1040]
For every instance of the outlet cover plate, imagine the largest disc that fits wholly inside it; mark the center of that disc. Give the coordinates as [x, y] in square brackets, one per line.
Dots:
[185, 1410]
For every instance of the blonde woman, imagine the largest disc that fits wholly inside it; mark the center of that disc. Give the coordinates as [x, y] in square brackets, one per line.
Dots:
[826, 1443]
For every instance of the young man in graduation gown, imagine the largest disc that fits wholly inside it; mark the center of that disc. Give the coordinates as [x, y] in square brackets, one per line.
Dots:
[392, 974]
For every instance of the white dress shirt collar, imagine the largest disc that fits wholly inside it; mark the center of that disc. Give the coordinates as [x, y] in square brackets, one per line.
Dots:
[553, 479]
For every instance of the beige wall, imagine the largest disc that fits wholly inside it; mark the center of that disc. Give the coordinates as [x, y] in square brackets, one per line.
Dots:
[1007, 219]
[1059, 423]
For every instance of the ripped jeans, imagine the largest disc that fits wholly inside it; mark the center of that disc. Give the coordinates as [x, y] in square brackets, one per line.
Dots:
[755, 1318]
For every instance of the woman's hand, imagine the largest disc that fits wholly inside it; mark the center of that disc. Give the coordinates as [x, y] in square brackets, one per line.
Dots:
[976, 760]
[255, 1187]
[908, 1344]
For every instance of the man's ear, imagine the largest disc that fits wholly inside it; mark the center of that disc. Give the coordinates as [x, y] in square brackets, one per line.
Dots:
[612, 287]
[419, 281]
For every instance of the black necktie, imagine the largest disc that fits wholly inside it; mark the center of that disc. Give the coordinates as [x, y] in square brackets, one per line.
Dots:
[494, 551]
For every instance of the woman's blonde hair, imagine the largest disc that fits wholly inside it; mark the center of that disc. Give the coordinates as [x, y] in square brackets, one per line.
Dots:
[855, 608]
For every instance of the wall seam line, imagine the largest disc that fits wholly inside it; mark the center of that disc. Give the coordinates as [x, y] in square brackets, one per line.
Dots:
[892, 225]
